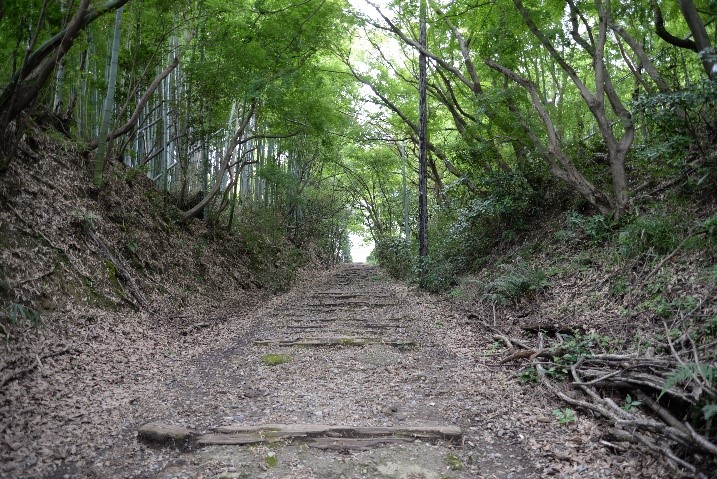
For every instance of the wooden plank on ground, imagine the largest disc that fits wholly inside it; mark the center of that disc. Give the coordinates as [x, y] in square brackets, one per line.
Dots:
[283, 431]
[354, 444]
[335, 341]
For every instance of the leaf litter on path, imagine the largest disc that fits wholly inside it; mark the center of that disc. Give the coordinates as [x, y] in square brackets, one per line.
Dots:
[79, 416]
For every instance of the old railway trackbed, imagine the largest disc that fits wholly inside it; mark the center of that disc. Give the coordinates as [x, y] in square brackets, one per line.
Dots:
[350, 375]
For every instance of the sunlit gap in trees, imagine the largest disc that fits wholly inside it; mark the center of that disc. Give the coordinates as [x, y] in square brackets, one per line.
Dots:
[371, 47]
[361, 247]
[367, 52]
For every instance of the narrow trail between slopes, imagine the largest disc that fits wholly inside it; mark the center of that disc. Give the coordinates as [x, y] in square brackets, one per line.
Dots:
[349, 375]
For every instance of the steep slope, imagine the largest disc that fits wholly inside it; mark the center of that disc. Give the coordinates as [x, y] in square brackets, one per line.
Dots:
[618, 319]
[65, 242]
[99, 287]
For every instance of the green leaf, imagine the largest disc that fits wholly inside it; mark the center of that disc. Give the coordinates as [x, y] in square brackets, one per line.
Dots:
[709, 411]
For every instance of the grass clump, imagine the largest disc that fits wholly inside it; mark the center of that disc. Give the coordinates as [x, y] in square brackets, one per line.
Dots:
[454, 462]
[649, 235]
[271, 460]
[275, 359]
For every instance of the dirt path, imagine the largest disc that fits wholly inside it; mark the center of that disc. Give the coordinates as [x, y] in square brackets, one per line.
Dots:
[401, 385]
[402, 364]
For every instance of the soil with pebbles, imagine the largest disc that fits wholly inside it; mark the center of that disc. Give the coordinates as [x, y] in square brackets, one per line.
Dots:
[217, 376]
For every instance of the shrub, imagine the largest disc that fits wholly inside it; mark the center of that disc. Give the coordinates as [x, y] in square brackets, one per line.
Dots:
[517, 280]
[649, 235]
[596, 229]
[435, 274]
[395, 256]
[462, 236]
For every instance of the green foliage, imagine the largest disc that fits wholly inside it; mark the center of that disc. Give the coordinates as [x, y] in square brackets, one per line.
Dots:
[631, 404]
[510, 202]
[678, 119]
[434, 274]
[564, 416]
[573, 348]
[709, 411]
[668, 308]
[275, 359]
[596, 229]
[15, 313]
[395, 255]
[709, 226]
[649, 235]
[620, 286]
[529, 375]
[516, 280]
[454, 462]
[111, 272]
[271, 460]
[685, 373]
[457, 293]
[272, 257]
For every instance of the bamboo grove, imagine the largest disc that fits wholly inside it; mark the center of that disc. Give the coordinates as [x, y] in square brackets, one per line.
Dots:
[221, 104]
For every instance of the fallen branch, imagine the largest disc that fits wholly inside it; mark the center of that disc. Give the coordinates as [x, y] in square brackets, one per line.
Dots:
[119, 266]
[18, 373]
[619, 417]
[499, 333]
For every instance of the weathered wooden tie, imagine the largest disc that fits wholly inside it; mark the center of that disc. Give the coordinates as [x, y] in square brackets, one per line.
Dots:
[321, 436]
[335, 341]
[328, 437]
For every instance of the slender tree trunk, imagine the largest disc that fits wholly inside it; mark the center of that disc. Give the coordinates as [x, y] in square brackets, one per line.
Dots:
[109, 102]
[134, 119]
[232, 143]
[406, 230]
[422, 139]
[26, 84]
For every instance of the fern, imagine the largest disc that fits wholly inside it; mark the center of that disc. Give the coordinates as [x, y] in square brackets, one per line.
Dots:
[686, 372]
[709, 410]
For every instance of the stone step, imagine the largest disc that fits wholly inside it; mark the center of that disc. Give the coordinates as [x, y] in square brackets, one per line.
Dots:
[350, 302]
[349, 294]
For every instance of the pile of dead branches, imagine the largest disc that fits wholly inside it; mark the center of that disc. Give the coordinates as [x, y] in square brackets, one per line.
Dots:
[673, 398]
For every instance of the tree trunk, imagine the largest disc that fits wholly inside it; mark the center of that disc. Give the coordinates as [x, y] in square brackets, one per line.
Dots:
[25, 86]
[224, 165]
[699, 33]
[26, 83]
[422, 140]
[560, 165]
[109, 102]
[134, 119]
